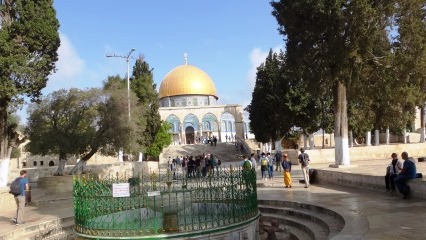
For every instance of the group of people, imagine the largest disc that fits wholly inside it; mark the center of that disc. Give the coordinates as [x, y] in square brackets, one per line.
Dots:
[281, 163]
[195, 166]
[399, 172]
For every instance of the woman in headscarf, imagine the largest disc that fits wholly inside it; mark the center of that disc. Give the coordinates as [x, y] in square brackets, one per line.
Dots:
[286, 164]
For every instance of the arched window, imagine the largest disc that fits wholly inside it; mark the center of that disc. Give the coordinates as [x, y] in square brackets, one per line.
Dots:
[210, 122]
[173, 120]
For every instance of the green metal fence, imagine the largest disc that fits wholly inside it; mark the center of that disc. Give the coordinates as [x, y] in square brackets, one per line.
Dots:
[163, 203]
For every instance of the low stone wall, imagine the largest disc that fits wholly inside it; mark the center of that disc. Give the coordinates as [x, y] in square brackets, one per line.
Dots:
[7, 201]
[100, 170]
[376, 183]
[362, 153]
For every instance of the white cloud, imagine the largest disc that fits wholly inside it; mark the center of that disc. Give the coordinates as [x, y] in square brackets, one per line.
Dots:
[68, 67]
[257, 57]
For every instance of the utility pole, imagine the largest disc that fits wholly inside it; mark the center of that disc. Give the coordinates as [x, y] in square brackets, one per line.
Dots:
[127, 57]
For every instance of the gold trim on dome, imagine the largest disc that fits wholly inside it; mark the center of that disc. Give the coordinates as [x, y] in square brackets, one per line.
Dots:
[187, 80]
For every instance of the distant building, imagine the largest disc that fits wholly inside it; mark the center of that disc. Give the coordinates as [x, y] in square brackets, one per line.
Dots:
[188, 101]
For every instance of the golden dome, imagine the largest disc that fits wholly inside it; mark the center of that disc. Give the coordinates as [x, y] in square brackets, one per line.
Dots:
[187, 80]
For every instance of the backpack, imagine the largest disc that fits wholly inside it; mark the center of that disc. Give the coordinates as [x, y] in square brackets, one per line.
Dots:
[264, 162]
[305, 159]
[15, 187]
[247, 165]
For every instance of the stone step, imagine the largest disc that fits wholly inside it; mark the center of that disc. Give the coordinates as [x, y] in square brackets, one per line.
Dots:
[47, 228]
[331, 224]
[48, 201]
[64, 231]
[354, 225]
[306, 229]
[225, 151]
[332, 219]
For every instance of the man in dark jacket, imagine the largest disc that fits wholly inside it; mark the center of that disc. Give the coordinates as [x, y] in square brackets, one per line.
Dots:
[407, 173]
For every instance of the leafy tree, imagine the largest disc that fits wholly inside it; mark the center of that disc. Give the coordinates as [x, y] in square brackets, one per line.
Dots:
[162, 139]
[409, 48]
[29, 41]
[142, 84]
[77, 122]
[264, 109]
[331, 40]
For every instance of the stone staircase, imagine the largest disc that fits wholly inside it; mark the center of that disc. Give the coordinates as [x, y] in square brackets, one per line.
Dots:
[227, 152]
[308, 221]
[48, 216]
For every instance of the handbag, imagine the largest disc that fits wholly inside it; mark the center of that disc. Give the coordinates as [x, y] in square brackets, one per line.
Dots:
[388, 168]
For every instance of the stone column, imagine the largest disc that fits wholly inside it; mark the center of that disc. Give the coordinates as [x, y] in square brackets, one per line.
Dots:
[351, 138]
[311, 141]
[200, 130]
[140, 157]
[368, 138]
[376, 137]
[387, 136]
[183, 135]
[219, 131]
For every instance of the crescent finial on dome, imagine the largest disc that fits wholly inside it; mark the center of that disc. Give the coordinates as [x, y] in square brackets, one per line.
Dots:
[185, 56]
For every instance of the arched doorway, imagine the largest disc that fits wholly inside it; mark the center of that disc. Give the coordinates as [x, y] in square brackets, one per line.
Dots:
[189, 135]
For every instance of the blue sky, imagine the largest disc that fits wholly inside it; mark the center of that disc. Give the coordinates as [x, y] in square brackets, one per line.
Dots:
[225, 38]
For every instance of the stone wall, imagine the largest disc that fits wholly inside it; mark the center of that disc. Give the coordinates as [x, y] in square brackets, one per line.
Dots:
[43, 161]
[7, 201]
[99, 170]
[361, 153]
[329, 139]
[376, 183]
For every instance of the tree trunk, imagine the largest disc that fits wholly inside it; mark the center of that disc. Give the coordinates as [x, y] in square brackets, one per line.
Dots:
[4, 144]
[9, 138]
[81, 165]
[376, 137]
[387, 136]
[305, 141]
[341, 125]
[351, 139]
[61, 166]
[311, 141]
[404, 135]
[422, 124]
[368, 138]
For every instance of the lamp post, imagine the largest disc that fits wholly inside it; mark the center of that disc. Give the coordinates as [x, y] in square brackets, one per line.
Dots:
[127, 57]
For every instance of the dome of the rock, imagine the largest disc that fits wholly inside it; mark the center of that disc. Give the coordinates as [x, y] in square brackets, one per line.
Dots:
[187, 80]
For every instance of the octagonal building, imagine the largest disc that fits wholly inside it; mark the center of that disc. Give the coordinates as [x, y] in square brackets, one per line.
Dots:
[189, 102]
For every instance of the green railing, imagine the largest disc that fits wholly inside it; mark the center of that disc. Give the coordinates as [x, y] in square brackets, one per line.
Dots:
[163, 203]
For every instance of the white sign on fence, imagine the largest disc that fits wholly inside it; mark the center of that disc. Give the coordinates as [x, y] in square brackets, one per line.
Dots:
[154, 193]
[120, 190]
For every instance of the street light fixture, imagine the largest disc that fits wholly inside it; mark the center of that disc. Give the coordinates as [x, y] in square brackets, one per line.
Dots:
[127, 57]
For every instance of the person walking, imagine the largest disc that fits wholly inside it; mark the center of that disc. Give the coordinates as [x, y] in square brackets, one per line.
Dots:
[304, 163]
[253, 162]
[270, 165]
[286, 164]
[263, 166]
[20, 198]
[392, 172]
[407, 173]
[278, 161]
[246, 164]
